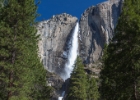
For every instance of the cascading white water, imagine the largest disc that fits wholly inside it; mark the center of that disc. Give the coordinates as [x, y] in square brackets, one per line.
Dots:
[71, 56]
[107, 37]
[60, 98]
[72, 53]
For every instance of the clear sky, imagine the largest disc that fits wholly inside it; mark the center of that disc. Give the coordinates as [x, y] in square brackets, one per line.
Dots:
[48, 8]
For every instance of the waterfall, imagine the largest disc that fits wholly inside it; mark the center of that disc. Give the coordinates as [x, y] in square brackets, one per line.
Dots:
[71, 56]
[72, 53]
[60, 98]
[107, 37]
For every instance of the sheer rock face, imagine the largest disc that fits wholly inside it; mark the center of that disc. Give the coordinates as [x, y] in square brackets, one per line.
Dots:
[97, 24]
[53, 44]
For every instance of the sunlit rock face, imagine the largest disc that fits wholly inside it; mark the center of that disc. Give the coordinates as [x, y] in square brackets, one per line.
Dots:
[97, 25]
[55, 34]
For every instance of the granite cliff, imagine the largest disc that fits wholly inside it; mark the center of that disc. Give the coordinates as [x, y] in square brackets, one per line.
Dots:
[97, 25]
[55, 34]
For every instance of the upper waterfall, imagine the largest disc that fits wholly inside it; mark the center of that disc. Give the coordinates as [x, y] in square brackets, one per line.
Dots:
[72, 54]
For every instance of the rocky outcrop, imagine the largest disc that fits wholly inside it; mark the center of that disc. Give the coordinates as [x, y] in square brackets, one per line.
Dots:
[53, 45]
[97, 24]
[56, 83]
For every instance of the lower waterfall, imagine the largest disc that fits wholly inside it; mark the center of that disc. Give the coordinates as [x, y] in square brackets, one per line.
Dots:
[61, 98]
[73, 52]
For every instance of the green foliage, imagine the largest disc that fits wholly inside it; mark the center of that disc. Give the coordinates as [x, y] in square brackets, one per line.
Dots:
[1, 3]
[22, 76]
[92, 91]
[121, 70]
[82, 86]
[78, 82]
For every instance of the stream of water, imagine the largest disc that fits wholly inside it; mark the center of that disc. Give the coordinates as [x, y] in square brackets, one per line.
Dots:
[71, 56]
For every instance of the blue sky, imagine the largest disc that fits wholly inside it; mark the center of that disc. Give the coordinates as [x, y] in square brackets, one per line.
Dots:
[48, 8]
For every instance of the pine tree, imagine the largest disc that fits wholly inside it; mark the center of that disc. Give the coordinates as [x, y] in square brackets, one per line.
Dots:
[78, 83]
[1, 3]
[22, 76]
[121, 72]
[92, 90]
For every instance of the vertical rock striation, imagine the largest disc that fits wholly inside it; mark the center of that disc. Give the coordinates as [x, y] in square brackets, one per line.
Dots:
[97, 24]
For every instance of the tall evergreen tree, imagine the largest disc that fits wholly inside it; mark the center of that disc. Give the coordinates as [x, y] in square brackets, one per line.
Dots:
[78, 83]
[1, 3]
[92, 90]
[121, 72]
[22, 76]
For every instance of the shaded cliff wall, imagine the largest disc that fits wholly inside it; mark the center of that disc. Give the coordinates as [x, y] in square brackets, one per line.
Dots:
[97, 24]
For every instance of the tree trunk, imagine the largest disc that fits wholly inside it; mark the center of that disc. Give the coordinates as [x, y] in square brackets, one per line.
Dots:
[10, 84]
[135, 90]
[11, 77]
